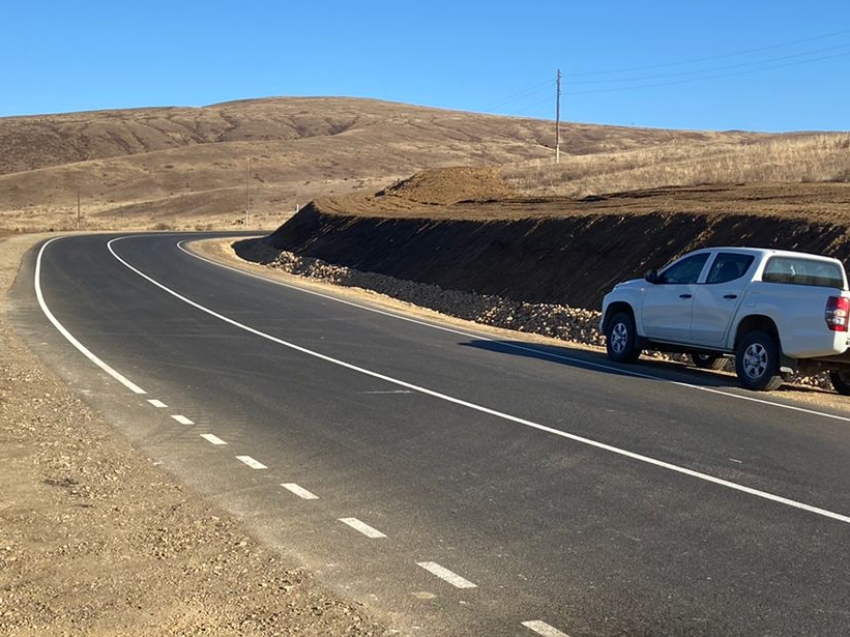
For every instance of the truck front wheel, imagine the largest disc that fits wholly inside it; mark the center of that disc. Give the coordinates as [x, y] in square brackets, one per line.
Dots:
[757, 362]
[620, 339]
[840, 379]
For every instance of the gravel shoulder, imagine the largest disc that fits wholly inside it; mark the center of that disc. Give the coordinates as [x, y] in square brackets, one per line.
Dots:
[96, 540]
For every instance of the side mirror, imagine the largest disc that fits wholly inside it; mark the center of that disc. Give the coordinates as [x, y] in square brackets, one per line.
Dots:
[651, 276]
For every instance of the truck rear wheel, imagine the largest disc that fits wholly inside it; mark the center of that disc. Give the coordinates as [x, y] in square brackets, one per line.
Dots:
[757, 361]
[840, 381]
[620, 339]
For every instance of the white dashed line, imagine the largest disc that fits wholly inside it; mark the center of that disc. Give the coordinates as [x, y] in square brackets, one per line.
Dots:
[254, 464]
[299, 491]
[542, 628]
[364, 528]
[182, 419]
[445, 574]
[213, 439]
[157, 403]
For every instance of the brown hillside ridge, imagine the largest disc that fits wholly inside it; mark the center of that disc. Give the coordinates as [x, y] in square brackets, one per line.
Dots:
[203, 168]
[555, 250]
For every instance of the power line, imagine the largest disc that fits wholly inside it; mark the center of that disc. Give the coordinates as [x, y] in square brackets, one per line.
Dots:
[720, 68]
[708, 77]
[713, 57]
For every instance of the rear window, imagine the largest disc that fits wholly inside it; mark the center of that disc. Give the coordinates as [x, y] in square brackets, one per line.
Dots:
[797, 271]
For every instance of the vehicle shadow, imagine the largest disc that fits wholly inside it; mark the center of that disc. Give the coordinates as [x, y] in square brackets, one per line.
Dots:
[647, 367]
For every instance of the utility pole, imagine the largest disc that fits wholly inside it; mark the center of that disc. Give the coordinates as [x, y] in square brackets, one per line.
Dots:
[79, 210]
[558, 119]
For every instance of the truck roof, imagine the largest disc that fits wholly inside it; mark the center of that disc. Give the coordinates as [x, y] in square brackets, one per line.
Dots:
[766, 252]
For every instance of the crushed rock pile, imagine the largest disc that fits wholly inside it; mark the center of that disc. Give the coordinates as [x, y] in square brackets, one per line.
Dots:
[548, 319]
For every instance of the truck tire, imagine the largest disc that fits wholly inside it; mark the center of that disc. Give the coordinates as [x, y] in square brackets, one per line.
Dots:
[620, 339]
[708, 361]
[840, 380]
[757, 362]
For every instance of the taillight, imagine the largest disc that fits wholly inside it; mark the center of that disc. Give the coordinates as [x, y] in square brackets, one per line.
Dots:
[837, 311]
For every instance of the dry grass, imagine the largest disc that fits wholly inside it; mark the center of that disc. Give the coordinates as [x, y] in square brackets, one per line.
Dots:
[203, 168]
[801, 158]
[188, 168]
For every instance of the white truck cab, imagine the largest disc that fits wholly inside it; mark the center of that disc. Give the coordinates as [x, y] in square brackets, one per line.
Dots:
[776, 311]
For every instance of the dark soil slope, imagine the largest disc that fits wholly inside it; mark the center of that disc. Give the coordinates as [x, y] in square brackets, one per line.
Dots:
[569, 260]
[560, 251]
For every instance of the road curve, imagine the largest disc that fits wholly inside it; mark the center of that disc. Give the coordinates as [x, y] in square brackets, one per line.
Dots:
[453, 483]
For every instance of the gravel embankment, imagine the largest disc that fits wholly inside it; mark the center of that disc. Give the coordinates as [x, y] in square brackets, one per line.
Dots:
[563, 322]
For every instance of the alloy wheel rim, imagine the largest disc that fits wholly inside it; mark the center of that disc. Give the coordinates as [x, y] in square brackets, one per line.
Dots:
[619, 337]
[755, 361]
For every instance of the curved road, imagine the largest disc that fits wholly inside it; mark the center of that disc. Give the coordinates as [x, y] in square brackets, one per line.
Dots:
[456, 484]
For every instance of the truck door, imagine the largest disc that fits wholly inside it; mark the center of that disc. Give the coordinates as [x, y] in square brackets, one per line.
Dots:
[717, 299]
[667, 304]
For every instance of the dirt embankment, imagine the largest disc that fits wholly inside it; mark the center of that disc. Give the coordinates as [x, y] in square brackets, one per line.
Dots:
[461, 230]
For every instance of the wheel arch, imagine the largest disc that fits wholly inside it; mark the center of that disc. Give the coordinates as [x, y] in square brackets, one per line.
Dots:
[614, 309]
[757, 322]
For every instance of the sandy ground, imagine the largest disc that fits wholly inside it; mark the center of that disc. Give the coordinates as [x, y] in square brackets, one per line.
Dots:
[96, 540]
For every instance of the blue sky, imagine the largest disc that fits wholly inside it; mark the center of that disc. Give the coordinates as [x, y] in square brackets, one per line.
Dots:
[760, 65]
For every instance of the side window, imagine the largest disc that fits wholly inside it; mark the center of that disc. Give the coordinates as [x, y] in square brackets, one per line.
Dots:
[801, 271]
[729, 266]
[685, 271]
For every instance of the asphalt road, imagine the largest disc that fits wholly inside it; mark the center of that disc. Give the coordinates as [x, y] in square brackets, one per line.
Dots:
[453, 483]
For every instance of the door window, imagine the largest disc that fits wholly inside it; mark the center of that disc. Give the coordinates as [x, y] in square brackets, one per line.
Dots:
[729, 266]
[686, 270]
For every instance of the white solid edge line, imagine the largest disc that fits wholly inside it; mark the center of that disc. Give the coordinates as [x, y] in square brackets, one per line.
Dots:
[301, 492]
[492, 412]
[212, 438]
[363, 528]
[133, 387]
[254, 464]
[542, 628]
[541, 352]
[446, 575]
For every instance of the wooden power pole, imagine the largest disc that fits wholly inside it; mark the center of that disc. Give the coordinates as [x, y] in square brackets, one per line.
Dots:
[558, 118]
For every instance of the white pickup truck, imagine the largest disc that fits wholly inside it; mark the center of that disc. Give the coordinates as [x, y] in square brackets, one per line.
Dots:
[776, 312]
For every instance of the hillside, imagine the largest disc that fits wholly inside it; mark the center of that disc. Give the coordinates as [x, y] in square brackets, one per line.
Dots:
[204, 167]
[464, 230]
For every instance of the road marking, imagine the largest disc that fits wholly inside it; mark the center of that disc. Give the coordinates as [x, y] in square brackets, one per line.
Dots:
[182, 419]
[390, 391]
[254, 464]
[364, 528]
[540, 351]
[213, 439]
[515, 419]
[542, 628]
[299, 491]
[157, 403]
[133, 387]
[445, 574]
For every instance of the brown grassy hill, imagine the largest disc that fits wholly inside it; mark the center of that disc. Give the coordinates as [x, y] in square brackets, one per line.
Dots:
[203, 167]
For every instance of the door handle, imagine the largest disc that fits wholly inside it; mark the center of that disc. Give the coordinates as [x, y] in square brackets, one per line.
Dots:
[730, 296]
[685, 296]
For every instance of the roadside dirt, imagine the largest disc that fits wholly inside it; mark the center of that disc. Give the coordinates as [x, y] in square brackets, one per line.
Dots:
[95, 540]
